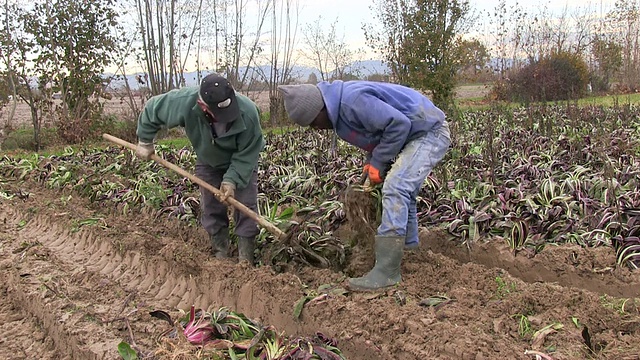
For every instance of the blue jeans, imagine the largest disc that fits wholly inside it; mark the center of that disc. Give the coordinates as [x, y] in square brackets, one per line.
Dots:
[404, 180]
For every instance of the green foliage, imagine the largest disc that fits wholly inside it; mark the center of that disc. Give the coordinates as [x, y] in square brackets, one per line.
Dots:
[5, 90]
[22, 138]
[504, 288]
[608, 57]
[472, 56]
[127, 352]
[560, 76]
[524, 325]
[418, 41]
[531, 176]
[73, 44]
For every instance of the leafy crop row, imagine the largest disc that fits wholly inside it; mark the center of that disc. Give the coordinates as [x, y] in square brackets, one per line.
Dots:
[531, 176]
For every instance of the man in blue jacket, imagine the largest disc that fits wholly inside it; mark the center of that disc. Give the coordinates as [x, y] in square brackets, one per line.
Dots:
[405, 135]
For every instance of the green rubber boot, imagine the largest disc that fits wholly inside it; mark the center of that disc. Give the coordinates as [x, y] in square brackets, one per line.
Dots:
[220, 244]
[386, 272]
[246, 246]
[411, 247]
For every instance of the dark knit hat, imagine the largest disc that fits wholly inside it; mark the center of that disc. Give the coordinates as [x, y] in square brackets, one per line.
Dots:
[218, 94]
[302, 102]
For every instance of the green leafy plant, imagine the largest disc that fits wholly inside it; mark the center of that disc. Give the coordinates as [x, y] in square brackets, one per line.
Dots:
[127, 353]
[546, 175]
[22, 223]
[77, 224]
[524, 325]
[504, 288]
[615, 304]
[576, 322]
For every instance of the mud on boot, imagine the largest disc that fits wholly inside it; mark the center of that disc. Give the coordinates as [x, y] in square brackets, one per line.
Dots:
[386, 271]
[246, 246]
[220, 244]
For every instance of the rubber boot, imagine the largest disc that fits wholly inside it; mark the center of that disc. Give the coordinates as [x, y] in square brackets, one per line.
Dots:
[386, 271]
[246, 245]
[220, 244]
[411, 247]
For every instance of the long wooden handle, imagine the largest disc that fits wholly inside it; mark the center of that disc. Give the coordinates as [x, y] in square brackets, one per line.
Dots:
[279, 234]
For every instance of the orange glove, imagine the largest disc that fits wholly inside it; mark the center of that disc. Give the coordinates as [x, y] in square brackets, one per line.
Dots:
[373, 173]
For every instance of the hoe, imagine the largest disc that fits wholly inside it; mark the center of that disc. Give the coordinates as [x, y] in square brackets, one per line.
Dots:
[353, 197]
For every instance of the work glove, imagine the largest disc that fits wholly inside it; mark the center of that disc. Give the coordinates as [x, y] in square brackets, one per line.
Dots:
[373, 173]
[228, 190]
[145, 150]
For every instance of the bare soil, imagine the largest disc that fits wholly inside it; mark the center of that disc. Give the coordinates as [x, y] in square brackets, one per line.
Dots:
[73, 291]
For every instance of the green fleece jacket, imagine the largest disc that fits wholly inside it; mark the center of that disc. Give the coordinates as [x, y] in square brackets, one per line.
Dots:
[235, 152]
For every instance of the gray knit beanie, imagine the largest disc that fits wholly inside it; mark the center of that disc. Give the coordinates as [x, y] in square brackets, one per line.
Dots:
[302, 102]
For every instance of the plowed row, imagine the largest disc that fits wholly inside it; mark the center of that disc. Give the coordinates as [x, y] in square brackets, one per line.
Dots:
[74, 291]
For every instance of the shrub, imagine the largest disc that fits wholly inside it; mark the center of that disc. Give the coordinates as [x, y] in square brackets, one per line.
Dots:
[22, 138]
[75, 131]
[560, 76]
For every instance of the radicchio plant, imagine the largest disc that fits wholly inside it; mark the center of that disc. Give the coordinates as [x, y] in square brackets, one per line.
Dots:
[198, 331]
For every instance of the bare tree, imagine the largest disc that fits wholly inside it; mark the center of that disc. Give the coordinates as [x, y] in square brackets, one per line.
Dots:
[231, 43]
[121, 58]
[623, 22]
[7, 53]
[284, 29]
[388, 40]
[584, 24]
[507, 34]
[167, 29]
[327, 49]
[569, 31]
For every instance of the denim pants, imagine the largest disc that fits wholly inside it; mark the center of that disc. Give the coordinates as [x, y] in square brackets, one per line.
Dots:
[404, 180]
[215, 214]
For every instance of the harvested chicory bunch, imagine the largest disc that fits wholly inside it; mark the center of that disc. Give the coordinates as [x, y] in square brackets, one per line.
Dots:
[199, 329]
[225, 334]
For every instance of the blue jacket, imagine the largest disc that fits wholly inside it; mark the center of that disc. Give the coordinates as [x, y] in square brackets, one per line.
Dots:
[380, 118]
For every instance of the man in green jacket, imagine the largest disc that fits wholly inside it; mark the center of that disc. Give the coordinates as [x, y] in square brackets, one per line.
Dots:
[224, 129]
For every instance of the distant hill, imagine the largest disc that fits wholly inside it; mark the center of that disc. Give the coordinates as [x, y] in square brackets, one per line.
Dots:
[366, 68]
[361, 69]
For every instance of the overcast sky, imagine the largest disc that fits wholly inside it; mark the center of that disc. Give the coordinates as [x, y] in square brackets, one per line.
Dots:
[352, 14]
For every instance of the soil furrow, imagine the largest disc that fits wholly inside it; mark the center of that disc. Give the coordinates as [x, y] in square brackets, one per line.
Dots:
[159, 287]
[21, 335]
[592, 269]
[101, 281]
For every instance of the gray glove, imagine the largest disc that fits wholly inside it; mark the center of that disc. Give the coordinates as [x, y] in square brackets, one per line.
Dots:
[228, 190]
[145, 150]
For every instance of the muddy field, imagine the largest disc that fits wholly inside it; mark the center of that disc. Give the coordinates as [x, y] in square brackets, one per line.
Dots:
[80, 278]
[74, 291]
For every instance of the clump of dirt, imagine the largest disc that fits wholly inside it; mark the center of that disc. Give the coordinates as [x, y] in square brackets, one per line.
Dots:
[360, 229]
[360, 210]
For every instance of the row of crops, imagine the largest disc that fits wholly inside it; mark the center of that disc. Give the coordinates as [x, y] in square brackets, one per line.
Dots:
[531, 177]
